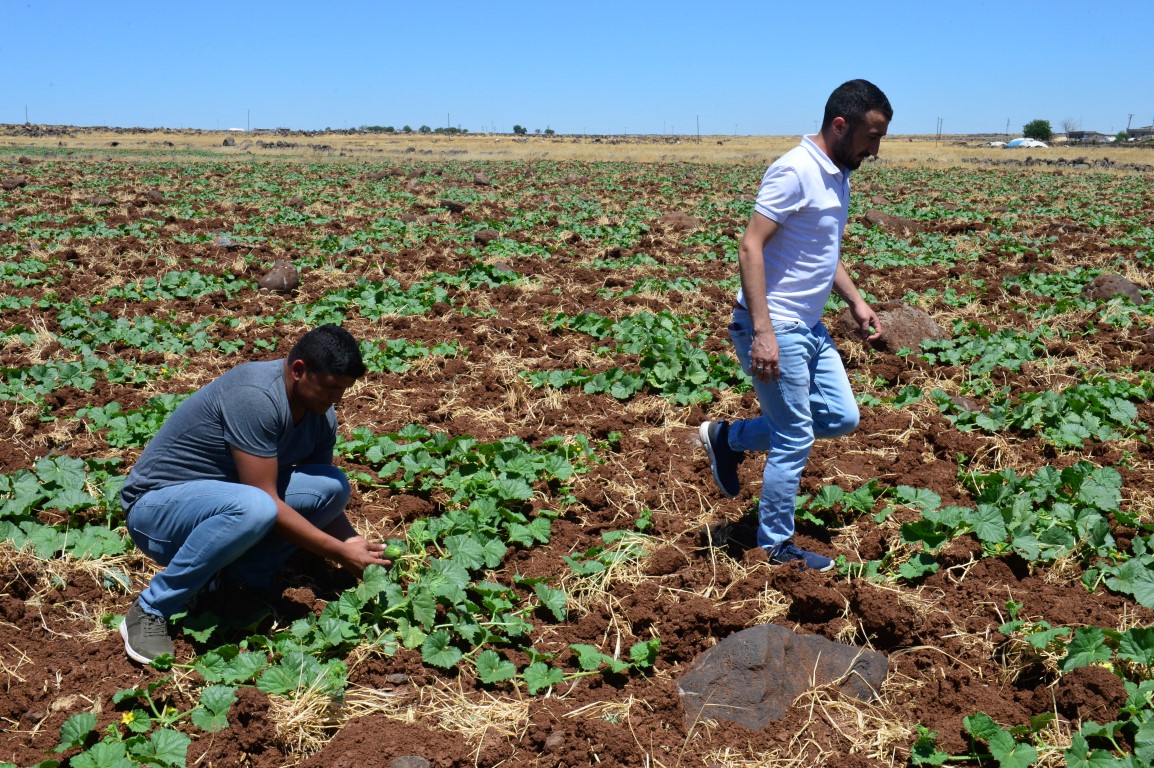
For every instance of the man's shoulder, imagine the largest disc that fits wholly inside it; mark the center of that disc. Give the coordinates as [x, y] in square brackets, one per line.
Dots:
[259, 373]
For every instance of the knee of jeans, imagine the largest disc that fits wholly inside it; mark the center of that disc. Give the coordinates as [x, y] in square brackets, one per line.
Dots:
[842, 423]
[335, 486]
[257, 508]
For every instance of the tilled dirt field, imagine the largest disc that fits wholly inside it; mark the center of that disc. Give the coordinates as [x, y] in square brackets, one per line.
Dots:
[88, 225]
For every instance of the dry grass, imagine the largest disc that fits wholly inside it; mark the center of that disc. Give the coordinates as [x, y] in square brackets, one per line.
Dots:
[739, 150]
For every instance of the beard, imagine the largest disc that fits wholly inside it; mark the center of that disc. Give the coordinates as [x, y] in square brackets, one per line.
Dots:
[842, 153]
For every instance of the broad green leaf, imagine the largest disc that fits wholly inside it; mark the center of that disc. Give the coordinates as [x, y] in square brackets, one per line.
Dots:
[491, 668]
[104, 754]
[1009, 753]
[553, 599]
[589, 657]
[1137, 645]
[539, 676]
[988, 524]
[165, 747]
[75, 730]
[438, 652]
[1087, 647]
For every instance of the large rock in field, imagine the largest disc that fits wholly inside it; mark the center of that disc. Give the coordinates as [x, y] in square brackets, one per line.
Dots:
[876, 219]
[1106, 287]
[902, 327]
[282, 278]
[753, 677]
[13, 182]
[676, 221]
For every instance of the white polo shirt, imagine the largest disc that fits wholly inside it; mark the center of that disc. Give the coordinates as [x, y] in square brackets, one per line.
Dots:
[807, 195]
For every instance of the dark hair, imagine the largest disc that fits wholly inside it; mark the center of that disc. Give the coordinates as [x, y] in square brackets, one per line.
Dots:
[329, 350]
[852, 100]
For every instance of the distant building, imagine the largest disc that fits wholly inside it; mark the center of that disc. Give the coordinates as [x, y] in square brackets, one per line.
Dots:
[1088, 137]
[1142, 133]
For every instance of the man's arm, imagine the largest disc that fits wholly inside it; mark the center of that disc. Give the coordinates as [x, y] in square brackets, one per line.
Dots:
[338, 542]
[869, 327]
[764, 353]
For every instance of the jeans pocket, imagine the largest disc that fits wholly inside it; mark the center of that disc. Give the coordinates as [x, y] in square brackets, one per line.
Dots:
[150, 537]
[786, 326]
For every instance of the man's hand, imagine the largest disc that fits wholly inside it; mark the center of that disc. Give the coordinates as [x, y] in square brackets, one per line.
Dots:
[765, 355]
[357, 553]
[866, 321]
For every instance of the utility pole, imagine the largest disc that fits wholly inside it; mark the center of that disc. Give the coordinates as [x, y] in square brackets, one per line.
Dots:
[1007, 127]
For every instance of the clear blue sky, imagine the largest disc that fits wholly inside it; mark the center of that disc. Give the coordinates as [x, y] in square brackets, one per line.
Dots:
[762, 68]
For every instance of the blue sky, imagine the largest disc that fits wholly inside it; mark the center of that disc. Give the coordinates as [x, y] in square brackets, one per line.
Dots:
[752, 68]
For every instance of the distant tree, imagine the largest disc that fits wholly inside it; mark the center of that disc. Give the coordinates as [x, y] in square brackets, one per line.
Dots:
[520, 130]
[1122, 136]
[378, 128]
[1038, 129]
[1069, 125]
[407, 129]
[549, 132]
[425, 129]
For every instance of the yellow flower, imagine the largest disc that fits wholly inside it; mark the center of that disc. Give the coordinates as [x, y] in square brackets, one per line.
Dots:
[128, 718]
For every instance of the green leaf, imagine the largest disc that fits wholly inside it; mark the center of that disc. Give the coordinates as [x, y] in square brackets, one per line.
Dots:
[981, 726]
[925, 750]
[1009, 753]
[539, 676]
[437, 650]
[1087, 647]
[644, 653]
[104, 754]
[1144, 742]
[988, 524]
[1137, 645]
[589, 657]
[1079, 755]
[75, 730]
[165, 747]
[212, 713]
[553, 599]
[491, 668]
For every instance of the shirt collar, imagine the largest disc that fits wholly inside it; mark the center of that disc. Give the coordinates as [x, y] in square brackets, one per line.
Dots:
[827, 165]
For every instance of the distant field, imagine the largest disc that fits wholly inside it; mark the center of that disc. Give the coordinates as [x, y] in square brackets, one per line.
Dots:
[898, 149]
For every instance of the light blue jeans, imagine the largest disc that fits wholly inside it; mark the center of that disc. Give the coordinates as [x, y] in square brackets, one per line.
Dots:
[198, 528]
[810, 399]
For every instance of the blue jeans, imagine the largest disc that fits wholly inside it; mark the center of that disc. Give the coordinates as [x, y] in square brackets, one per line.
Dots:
[810, 399]
[198, 528]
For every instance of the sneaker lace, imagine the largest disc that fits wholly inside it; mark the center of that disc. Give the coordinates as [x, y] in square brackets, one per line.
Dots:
[153, 626]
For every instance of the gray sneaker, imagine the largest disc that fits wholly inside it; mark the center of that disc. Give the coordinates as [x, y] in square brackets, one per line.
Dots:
[145, 636]
[724, 460]
[788, 552]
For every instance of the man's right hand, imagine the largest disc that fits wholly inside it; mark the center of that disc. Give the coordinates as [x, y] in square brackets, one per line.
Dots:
[358, 553]
[765, 355]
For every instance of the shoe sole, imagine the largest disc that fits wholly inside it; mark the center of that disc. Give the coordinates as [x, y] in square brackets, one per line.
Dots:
[804, 565]
[703, 433]
[128, 648]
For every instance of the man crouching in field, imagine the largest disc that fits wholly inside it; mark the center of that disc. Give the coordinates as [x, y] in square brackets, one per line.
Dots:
[790, 259]
[238, 477]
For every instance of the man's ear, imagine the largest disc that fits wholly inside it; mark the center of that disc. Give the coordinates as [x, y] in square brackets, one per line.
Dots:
[840, 126]
[297, 369]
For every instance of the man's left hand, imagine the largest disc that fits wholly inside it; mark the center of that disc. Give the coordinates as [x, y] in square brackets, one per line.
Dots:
[869, 326]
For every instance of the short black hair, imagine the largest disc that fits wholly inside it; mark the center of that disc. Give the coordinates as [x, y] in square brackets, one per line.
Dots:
[329, 350]
[852, 100]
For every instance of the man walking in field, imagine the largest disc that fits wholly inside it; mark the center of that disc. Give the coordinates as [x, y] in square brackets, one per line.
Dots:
[790, 258]
[238, 477]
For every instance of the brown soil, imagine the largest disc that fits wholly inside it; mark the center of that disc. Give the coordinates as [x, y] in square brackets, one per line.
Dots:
[58, 656]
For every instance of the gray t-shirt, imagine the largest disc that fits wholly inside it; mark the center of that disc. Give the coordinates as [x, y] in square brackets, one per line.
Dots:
[246, 407]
